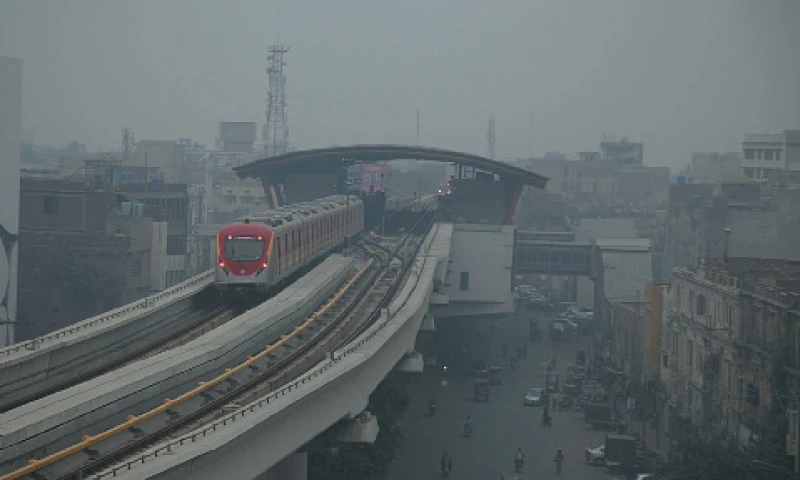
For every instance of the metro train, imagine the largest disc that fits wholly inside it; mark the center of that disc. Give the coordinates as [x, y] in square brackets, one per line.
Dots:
[262, 250]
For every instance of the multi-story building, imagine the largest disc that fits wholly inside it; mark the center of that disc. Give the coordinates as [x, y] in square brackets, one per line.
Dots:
[171, 201]
[731, 346]
[79, 254]
[712, 167]
[10, 135]
[766, 153]
[165, 155]
[232, 200]
[750, 219]
[622, 151]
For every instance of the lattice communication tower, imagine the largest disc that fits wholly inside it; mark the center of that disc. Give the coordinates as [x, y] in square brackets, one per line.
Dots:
[276, 130]
[128, 142]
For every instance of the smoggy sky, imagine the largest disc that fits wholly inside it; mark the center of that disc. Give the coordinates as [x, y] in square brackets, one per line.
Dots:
[680, 75]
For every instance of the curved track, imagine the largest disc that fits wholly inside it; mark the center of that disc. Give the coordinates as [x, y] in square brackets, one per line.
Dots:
[352, 309]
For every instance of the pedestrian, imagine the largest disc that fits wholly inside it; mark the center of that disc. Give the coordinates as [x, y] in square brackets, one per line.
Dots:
[559, 460]
[555, 402]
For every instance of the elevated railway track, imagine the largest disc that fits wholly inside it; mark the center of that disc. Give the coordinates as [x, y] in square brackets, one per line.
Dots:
[342, 317]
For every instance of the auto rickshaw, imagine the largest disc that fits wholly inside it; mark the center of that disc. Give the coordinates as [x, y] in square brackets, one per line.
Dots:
[495, 375]
[479, 369]
[481, 390]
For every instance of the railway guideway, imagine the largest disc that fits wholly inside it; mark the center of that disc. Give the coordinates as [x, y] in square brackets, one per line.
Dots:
[57, 421]
[48, 363]
[256, 437]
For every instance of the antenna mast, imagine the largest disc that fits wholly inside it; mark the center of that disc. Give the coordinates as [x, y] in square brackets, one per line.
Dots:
[417, 126]
[490, 137]
[276, 130]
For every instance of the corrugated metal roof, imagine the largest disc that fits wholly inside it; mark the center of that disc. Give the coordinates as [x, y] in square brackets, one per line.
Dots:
[627, 268]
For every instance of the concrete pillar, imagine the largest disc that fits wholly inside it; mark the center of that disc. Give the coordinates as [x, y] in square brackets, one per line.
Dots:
[293, 467]
[411, 363]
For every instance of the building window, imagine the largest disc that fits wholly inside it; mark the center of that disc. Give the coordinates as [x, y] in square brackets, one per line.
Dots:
[51, 205]
[690, 354]
[768, 154]
[464, 284]
[135, 266]
[777, 155]
[749, 154]
[176, 244]
[665, 360]
[701, 305]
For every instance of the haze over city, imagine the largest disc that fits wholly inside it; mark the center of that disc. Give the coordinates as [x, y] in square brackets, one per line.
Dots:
[681, 76]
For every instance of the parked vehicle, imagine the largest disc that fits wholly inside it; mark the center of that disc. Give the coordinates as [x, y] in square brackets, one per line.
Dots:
[535, 397]
[599, 415]
[596, 456]
[620, 452]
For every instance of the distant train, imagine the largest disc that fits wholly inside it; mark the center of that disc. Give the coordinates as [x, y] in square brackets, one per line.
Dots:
[264, 249]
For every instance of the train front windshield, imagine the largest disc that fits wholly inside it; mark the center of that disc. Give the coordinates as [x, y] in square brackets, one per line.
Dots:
[244, 249]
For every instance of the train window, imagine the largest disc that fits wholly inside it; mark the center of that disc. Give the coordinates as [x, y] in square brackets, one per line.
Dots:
[279, 248]
[286, 243]
[294, 242]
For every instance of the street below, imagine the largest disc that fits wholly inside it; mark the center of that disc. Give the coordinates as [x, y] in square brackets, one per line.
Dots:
[502, 424]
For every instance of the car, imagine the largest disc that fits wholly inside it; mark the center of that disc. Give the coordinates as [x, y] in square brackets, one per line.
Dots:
[646, 476]
[596, 456]
[534, 397]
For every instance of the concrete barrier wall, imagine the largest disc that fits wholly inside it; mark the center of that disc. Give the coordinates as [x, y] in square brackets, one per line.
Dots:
[254, 439]
[32, 367]
[59, 420]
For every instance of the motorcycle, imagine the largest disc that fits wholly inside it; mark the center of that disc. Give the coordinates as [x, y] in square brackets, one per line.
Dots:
[467, 430]
[432, 409]
[518, 464]
[446, 470]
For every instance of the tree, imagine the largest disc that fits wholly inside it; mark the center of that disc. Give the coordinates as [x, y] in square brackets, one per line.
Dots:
[368, 461]
[703, 457]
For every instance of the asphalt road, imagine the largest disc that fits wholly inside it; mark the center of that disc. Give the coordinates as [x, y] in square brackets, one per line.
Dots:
[501, 425]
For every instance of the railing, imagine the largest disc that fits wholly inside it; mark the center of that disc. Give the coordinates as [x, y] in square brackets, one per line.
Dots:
[134, 420]
[368, 335]
[143, 304]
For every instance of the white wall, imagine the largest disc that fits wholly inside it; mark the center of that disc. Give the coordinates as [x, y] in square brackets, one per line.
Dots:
[589, 230]
[485, 252]
[10, 135]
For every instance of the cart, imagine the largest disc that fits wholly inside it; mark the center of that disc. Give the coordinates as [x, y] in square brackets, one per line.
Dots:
[481, 390]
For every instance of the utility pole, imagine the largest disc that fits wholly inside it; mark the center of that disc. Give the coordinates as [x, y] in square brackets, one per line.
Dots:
[418, 126]
[490, 137]
[530, 138]
[347, 223]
